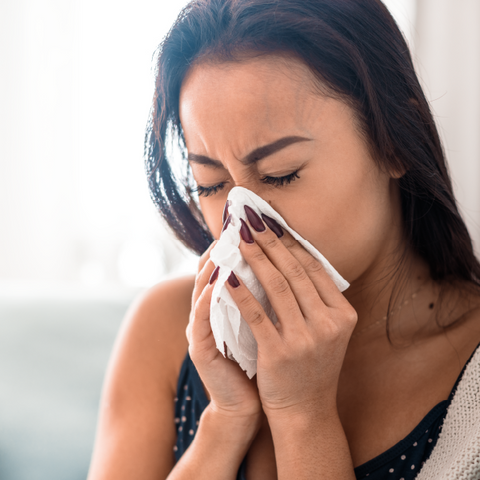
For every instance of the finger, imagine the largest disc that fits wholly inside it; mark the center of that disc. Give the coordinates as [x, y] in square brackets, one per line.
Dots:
[291, 293]
[206, 277]
[322, 281]
[203, 275]
[205, 256]
[324, 285]
[198, 327]
[264, 331]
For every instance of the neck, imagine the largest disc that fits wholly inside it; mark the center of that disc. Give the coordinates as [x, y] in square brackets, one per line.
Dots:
[371, 293]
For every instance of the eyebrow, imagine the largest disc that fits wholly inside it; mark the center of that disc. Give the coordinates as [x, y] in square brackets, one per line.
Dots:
[253, 157]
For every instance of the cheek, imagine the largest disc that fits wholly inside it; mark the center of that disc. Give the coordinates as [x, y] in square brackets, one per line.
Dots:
[348, 222]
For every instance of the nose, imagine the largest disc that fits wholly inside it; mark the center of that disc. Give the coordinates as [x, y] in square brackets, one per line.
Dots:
[248, 178]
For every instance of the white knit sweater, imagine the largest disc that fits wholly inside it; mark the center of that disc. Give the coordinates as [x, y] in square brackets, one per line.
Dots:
[456, 455]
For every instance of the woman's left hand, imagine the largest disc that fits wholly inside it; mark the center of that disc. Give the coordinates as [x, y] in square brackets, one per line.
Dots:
[300, 358]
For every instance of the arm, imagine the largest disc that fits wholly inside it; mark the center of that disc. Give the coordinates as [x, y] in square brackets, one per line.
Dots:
[218, 448]
[300, 357]
[136, 430]
[309, 446]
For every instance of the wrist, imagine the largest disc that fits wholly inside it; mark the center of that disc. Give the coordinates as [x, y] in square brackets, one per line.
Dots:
[303, 417]
[231, 425]
[311, 444]
[221, 438]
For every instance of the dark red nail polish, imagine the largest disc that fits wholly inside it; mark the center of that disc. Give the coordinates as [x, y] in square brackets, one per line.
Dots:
[227, 221]
[225, 211]
[273, 225]
[254, 219]
[233, 280]
[214, 275]
[245, 232]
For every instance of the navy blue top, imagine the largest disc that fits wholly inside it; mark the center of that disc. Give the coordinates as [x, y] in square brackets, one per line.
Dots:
[400, 462]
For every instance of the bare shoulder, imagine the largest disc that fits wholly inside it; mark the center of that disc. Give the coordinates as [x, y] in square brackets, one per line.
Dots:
[154, 325]
[136, 431]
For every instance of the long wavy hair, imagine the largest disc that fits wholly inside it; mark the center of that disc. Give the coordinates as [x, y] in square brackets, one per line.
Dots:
[357, 52]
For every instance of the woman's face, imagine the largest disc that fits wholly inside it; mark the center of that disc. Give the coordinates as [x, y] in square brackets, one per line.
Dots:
[262, 118]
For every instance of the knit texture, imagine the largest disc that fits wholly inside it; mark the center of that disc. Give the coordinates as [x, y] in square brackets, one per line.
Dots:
[456, 455]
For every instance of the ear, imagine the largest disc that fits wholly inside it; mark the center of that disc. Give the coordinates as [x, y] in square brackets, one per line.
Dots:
[397, 172]
[395, 167]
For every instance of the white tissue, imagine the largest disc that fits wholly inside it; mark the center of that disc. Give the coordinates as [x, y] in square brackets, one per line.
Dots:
[227, 324]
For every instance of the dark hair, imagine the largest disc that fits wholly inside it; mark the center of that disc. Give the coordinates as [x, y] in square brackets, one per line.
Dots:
[355, 49]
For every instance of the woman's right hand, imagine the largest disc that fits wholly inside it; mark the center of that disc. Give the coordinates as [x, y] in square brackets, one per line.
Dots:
[231, 392]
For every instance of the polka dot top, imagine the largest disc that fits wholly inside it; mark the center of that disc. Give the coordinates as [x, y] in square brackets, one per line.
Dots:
[401, 462]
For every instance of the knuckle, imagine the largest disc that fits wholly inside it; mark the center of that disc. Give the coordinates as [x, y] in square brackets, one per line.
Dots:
[253, 311]
[258, 255]
[313, 265]
[351, 315]
[332, 332]
[271, 241]
[282, 354]
[291, 243]
[256, 316]
[279, 285]
[307, 344]
[296, 271]
[299, 344]
[245, 300]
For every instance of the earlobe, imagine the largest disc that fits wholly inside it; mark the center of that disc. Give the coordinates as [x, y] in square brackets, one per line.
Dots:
[397, 173]
[396, 169]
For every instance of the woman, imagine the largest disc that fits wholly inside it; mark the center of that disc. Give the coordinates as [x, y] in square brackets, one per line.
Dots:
[315, 106]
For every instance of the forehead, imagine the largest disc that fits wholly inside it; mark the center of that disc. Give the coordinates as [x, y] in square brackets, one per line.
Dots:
[263, 93]
[274, 69]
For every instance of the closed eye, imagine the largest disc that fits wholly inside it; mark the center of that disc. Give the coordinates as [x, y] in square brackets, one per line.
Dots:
[275, 181]
[279, 181]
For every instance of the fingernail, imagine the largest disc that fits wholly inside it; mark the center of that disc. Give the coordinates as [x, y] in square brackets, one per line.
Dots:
[214, 275]
[226, 223]
[254, 219]
[273, 225]
[225, 211]
[233, 280]
[245, 232]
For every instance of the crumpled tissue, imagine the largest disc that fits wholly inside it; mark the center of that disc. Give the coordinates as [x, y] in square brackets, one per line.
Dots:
[226, 321]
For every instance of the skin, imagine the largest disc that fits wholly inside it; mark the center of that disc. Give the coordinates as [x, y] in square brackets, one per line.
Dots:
[350, 211]
[323, 401]
[228, 110]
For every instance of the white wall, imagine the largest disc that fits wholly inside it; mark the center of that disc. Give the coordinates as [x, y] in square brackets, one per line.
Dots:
[75, 90]
[404, 12]
[448, 60]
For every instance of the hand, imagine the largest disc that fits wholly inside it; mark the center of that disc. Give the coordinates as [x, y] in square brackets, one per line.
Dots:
[230, 390]
[299, 358]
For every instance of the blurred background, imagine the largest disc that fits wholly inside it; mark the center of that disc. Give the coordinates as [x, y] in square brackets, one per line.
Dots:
[79, 236]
